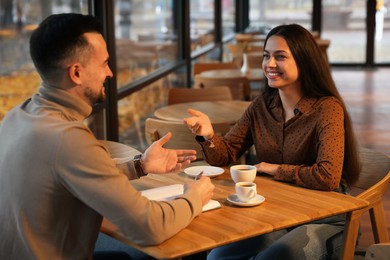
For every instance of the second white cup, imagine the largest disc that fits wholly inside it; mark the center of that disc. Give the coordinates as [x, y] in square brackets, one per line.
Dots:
[246, 191]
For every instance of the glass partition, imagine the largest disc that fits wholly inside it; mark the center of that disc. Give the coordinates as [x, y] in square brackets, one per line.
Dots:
[266, 14]
[18, 78]
[344, 24]
[145, 37]
[201, 23]
[135, 108]
[228, 17]
[382, 32]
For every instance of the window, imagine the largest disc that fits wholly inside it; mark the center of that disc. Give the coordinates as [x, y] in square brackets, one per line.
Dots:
[267, 14]
[145, 37]
[228, 17]
[201, 23]
[344, 24]
[18, 78]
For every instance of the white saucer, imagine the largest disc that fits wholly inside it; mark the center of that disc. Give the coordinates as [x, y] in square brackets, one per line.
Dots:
[253, 202]
[209, 171]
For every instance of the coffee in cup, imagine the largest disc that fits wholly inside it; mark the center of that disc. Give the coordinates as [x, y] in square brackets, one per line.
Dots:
[243, 172]
[246, 191]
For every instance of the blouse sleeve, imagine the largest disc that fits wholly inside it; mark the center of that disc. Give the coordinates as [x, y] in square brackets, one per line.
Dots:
[229, 148]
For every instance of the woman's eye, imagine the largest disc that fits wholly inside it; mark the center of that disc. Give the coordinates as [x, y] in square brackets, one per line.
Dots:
[280, 57]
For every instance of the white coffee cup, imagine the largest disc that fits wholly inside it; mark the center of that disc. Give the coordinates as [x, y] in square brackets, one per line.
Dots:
[243, 172]
[246, 191]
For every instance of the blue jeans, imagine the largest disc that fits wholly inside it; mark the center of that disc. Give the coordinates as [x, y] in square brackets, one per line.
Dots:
[316, 240]
[107, 248]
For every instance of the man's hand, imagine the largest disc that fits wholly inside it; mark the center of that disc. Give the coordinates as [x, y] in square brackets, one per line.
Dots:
[199, 124]
[157, 159]
[203, 186]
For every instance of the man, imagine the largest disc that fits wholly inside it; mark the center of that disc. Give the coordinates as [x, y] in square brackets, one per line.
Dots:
[56, 180]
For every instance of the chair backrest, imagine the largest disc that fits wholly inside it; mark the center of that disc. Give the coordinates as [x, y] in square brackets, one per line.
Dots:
[375, 166]
[183, 95]
[239, 86]
[182, 138]
[379, 251]
[200, 67]
[243, 37]
[324, 45]
[255, 60]
[237, 50]
[373, 183]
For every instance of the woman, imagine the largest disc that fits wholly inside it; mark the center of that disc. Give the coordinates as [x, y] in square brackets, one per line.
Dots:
[302, 134]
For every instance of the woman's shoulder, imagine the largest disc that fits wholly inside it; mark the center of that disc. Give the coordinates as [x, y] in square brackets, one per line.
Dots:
[329, 102]
[330, 107]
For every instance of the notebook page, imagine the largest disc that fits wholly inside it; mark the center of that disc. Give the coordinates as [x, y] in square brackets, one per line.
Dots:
[170, 192]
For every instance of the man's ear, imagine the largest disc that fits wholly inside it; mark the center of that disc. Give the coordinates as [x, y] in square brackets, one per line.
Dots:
[74, 73]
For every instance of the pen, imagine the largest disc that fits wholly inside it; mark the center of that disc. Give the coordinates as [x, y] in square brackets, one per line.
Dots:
[199, 175]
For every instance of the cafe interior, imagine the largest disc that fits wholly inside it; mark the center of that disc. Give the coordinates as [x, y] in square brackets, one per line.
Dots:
[169, 55]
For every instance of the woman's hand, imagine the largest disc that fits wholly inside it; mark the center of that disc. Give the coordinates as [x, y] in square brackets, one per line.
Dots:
[268, 168]
[158, 159]
[199, 124]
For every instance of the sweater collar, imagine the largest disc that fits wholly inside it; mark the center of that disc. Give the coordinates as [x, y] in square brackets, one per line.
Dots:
[76, 107]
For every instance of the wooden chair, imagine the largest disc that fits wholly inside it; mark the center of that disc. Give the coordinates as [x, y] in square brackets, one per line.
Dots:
[248, 38]
[379, 251]
[324, 45]
[243, 37]
[200, 67]
[239, 86]
[255, 60]
[237, 50]
[183, 95]
[374, 182]
[182, 138]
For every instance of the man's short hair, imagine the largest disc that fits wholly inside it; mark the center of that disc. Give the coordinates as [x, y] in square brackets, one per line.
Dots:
[58, 39]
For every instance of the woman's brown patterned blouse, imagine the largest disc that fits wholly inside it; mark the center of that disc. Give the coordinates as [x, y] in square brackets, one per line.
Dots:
[309, 147]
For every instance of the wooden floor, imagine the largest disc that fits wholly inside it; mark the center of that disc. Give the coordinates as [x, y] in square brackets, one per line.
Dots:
[367, 96]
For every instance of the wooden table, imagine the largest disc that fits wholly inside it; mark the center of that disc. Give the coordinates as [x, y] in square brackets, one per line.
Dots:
[252, 74]
[285, 206]
[228, 111]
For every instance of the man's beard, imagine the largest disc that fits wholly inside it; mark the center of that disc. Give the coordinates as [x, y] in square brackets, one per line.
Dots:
[95, 98]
